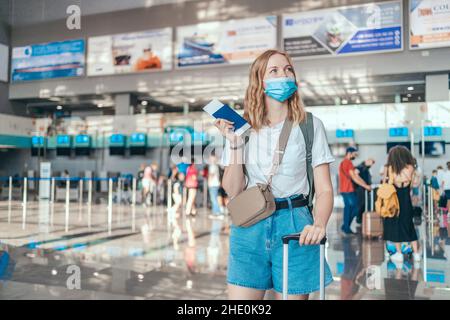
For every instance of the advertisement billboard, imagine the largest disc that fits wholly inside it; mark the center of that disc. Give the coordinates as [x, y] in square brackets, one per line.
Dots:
[130, 52]
[227, 42]
[429, 24]
[360, 29]
[48, 60]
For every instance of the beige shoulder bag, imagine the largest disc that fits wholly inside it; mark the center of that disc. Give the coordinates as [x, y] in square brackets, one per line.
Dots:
[257, 202]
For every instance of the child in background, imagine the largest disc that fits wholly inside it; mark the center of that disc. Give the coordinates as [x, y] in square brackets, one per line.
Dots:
[177, 196]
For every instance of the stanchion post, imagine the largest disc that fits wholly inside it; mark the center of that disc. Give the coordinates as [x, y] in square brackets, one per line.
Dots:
[133, 206]
[183, 209]
[119, 191]
[52, 191]
[110, 187]
[80, 185]
[52, 201]
[67, 204]
[24, 204]
[90, 191]
[9, 199]
[10, 191]
[431, 210]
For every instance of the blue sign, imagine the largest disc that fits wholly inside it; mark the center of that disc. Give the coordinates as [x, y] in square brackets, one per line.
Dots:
[398, 132]
[37, 141]
[117, 140]
[436, 276]
[63, 141]
[346, 133]
[83, 140]
[138, 139]
[432, 131]
[177, 134]
[48, 60]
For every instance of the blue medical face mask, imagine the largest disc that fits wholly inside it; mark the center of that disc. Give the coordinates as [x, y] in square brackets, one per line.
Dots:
[280, 89]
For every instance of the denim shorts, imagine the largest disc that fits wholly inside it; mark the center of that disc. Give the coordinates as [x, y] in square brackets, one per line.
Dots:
[256, 254]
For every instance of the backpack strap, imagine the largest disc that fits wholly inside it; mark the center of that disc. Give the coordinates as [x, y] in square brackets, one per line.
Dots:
[307, 127]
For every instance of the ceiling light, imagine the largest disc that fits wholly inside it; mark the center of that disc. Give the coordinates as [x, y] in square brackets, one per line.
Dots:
[59, 107]
[144, 103]
[410, 88]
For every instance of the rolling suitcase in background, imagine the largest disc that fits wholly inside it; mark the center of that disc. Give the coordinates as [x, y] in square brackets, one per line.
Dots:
[372, 223]
[296, 237]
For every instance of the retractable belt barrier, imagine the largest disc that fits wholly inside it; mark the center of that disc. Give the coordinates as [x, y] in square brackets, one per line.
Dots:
[58, 179]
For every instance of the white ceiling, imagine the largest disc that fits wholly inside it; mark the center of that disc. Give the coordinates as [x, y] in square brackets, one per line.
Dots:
[27, 12]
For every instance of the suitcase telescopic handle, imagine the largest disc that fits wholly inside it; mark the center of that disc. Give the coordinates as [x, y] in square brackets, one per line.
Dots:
[296, 236]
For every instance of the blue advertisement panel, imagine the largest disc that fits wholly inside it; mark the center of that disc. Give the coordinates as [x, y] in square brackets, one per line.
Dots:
[48, 60]
[368, 28]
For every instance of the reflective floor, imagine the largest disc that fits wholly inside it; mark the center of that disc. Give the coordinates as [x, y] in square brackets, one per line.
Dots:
[81, 252]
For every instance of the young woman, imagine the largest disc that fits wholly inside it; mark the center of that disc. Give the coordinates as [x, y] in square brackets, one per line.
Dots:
[401, 228]
[255, 259]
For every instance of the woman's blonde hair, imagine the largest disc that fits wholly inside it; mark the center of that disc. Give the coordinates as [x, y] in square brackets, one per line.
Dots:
[255, 111]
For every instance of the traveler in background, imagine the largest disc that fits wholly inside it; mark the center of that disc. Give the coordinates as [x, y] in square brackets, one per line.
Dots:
[65, 175]
[348, 175]
[416, 183]
[140, 176]
[401, 228]
[213, 186]
[172, 171]
[440, 172]
[435, 188]
[382, 171]
[445, 183]
[192, 186]
[177, 196]
[161, 190]
[147, 181]
[364, 172]
[183, 165]
[155, 173]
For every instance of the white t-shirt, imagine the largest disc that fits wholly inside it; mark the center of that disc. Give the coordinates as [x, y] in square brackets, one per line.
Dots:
[213, 175]
[291, 177]
[445, 178]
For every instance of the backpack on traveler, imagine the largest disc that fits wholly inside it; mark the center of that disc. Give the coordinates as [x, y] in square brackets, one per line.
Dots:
[387, 205]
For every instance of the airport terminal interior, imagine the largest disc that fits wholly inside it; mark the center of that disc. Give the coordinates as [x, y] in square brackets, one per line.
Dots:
[101, 102]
